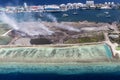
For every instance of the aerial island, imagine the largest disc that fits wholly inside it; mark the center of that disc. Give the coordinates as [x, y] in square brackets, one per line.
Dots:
[58, 39]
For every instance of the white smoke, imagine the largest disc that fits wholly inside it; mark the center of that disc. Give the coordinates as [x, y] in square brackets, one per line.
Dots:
[30, 28]
[51, 17]
[67, 27]
[61, 25]
[9, 20]
[35, 28]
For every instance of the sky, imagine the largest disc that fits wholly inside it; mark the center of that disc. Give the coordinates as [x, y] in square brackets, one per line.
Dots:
[42, 2]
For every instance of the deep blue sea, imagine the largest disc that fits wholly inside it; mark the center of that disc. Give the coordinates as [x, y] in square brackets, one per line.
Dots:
[19, 76]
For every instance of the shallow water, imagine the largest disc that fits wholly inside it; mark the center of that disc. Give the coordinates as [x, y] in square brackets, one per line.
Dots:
[60, 68]
[108, 51]
[83, 71]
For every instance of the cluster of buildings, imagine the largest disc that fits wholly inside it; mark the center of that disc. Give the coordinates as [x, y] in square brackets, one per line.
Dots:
[62, 7]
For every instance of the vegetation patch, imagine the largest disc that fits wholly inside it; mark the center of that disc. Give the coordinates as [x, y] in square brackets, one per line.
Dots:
[4, 28]
[95, 38]
[118, 48]
[4, 40]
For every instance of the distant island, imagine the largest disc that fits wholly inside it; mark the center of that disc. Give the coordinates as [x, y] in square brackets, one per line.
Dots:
[90, 4]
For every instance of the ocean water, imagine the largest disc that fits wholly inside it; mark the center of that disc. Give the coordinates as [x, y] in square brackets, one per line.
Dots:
[89, 15]
[19, 76]
[83, 15]
[109, 72]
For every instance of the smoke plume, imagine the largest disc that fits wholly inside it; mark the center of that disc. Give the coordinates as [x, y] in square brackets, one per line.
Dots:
[30, 28]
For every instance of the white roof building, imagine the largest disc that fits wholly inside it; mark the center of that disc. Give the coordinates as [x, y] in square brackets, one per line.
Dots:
[90, 2]
[52, 7]
[25, 5]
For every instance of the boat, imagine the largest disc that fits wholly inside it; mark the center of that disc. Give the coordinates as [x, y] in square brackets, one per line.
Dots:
[106, 12]
[108, 16]
[105, 7]
[83, 8]
[41, 15]
[52, 8]
[65, 15]
[75, 13]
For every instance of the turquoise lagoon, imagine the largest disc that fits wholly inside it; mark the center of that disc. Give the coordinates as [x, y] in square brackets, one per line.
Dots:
[60, 68]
